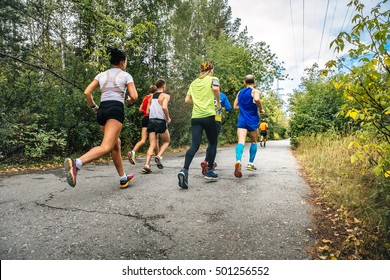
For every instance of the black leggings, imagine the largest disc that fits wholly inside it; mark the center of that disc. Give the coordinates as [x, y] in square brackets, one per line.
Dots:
[197, 126]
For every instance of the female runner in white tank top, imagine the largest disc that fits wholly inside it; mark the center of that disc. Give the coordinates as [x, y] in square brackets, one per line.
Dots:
[110, 115]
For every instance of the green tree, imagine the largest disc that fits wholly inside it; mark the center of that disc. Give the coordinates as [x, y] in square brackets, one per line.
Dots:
[366, 85]
[315, 105]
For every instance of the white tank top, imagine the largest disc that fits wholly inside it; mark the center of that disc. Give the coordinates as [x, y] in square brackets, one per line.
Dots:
[155, 109]
[113, 84]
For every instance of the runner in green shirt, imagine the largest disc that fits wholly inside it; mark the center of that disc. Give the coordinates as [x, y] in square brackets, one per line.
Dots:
[201, 95]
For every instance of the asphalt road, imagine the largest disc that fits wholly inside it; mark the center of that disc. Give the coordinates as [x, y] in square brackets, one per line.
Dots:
[263, 215]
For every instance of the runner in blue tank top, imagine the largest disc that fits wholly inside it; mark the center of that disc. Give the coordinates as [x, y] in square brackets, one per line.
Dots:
[249, 116]
[248, 102]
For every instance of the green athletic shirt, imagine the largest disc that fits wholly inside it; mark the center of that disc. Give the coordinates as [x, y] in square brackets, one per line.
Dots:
[202, 95]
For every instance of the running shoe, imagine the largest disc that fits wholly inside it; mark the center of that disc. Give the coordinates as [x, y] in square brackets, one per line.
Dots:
[237, 170]
[211, 175]
[183, 178]
[125, 183]
[158, 160]
[71, 171]
[261, 144]
[131, 156]
[204, 164]
[251, 167]
[146, 170]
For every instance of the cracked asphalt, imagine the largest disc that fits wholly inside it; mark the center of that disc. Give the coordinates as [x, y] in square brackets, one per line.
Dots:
[263, 215]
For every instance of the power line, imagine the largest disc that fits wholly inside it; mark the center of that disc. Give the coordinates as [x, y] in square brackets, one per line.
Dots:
[350, 21]
[345, 17]
[303, 35]
[331, 26]
[292, 26]
[323, 28]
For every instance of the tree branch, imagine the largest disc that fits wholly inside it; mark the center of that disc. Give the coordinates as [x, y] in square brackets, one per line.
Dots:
[42, 68]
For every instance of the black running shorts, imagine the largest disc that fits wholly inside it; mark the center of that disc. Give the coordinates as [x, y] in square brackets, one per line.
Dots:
[110, 110]
[263, 132]
[145, 122]
[157, 126]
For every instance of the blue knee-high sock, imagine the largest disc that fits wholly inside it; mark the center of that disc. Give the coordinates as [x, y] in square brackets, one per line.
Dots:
[252, 152]
[239, 151]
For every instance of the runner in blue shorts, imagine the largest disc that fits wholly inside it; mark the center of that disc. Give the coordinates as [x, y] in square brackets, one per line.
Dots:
[248, 102]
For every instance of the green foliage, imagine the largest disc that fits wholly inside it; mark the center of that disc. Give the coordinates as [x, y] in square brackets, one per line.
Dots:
[315, 106]
[51, 50]
[275, 116]
[366, 86]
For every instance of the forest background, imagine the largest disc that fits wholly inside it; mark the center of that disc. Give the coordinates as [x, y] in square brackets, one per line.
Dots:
[338, 121]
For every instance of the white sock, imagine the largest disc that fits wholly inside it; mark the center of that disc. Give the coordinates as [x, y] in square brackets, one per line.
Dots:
[124, 177]
[79, 164]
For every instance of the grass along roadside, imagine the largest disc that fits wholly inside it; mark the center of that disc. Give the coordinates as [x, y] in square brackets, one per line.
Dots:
[351, 203]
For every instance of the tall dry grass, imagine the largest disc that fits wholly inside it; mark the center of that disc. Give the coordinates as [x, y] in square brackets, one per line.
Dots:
[352, 187]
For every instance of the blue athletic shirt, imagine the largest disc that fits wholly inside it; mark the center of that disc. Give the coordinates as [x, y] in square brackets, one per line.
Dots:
[248, 108]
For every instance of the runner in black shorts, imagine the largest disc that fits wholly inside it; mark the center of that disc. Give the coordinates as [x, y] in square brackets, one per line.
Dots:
[158, 120]
[263, 132]
[145, 121]
[113, 84]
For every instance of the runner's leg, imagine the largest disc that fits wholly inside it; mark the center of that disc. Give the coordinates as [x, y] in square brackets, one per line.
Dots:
[117, 158]
[253, 135]
[241, 135]
[196, 129]
[166, 138]
[142, 141]
[111, 131]
[210, 128]
[152, 146]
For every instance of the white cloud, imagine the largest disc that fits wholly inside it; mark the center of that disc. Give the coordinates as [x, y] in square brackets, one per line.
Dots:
[297, 45]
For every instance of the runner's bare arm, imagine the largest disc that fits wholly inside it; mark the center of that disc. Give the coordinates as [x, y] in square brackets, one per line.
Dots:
[235, 104]
[133, 94]
[217, 96]
[88, 92]
[148, 107]
[188, 99]
[165, 107]
[256, 98]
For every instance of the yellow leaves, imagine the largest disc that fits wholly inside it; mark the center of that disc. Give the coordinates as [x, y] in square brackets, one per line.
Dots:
[387, 61]
[375, 75]
[387, 173]
[337, 85]
[356, 157]
[371, 65]
[353, 113]
[324, 249]
[354, 144]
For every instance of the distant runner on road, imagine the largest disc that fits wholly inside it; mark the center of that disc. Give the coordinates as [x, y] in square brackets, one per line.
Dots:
[263, 132]
[248, 102]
